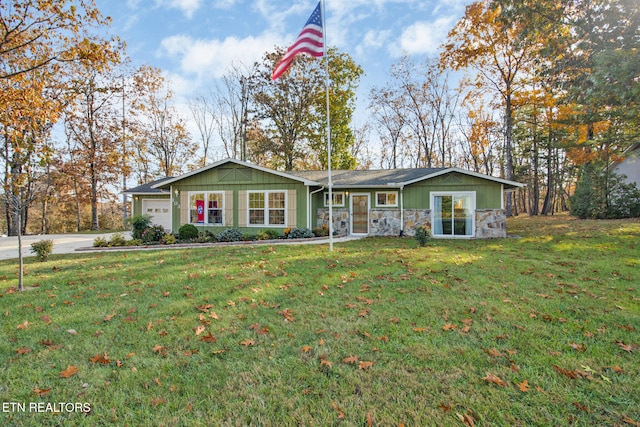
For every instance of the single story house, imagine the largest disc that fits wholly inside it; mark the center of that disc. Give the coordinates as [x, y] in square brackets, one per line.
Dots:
[230, 193]
[629, 165]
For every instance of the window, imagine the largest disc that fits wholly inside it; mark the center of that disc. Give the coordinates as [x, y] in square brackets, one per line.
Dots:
[267, 208]
[206, 208]
[338, 198]
[387, 199]
[453, 214]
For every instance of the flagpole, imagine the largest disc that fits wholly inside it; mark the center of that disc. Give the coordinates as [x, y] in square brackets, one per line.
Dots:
[327, 84]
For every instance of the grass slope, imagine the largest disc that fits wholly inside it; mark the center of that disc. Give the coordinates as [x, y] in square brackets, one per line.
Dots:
[536, 330]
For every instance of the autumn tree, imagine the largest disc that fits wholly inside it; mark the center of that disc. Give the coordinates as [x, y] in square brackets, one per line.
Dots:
[93, 120]
[498, 52]
[292, 110]
[163, 144]
[387, 107]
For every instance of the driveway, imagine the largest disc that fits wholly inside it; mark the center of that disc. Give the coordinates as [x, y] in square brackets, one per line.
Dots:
[62, 243]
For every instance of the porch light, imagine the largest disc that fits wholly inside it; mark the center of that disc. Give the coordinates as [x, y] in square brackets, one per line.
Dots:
[176, 192]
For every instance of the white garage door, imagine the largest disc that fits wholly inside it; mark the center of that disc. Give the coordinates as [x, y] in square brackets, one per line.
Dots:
[159, 210]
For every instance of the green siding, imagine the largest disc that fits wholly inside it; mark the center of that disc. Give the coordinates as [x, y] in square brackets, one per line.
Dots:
[137, 202]
[488, 193]
[232, 177]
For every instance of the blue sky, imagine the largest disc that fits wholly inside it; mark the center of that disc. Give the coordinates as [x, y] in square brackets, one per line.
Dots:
[196, 41]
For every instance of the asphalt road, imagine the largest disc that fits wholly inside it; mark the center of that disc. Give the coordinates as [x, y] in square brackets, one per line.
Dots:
[62, 243]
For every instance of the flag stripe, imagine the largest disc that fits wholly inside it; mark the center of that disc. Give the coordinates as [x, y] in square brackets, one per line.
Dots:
[310, 41]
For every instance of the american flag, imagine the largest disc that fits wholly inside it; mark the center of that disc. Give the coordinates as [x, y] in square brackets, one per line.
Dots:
[309, 41]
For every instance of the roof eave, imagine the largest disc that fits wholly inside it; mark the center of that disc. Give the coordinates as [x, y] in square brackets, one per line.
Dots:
[238, 162]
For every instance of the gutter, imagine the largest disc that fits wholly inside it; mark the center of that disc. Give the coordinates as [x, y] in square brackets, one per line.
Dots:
[309, 203]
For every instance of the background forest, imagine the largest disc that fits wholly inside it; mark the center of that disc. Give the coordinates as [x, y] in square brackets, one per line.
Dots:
[541, 92]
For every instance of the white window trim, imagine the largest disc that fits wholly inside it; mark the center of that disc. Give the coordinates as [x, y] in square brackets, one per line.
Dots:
[266, 208]
[206, 210]
[334, 193]
[388, 205]
[453, 194]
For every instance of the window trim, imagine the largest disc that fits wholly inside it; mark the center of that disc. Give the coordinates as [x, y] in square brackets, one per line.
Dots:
[387, 205]
[334, 193]
[453, 194]
[206, 209]
[266, 208]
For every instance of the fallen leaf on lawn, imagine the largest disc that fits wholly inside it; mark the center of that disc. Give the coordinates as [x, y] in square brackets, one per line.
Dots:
[218, 351]
[631, 422]
[23, 350]
[199, 329]
[101, 358]
[209, 338]
[157, 401]
[109, 317]
[494, 379]
[419, 329]
[158, 348]
[626, 347]
[578, 347]
[338, 410]
[72, 331]
[41, 391]
[445, 408]
[325, 362]
[46, 319]
[524, 386]
[449, 327]
[369, 420]
[157, 381]
[288, 315]
[247, 342]
[394, 320]
[24, 325]
[306, 348]
[567, 373]
[365, 365]
[70, 371]
[350, 359]
[466, 419]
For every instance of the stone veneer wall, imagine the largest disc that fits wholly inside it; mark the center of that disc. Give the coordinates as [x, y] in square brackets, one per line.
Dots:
[490, 223]
[341, 221]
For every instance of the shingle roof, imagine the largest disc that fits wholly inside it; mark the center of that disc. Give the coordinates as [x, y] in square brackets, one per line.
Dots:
[148, 187]
[368, 178]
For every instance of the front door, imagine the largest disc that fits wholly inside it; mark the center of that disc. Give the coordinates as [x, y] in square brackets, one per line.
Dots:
[360, 214]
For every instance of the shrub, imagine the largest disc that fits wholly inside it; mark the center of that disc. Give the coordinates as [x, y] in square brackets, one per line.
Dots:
[169, 239]
[300, 233]
[139, 224]
[321, 231]
[423, 234]
[603, 195]
[135, 242]
[117, 239]
[100, 242]
[188, 231]
[268, 235]
[209, 237]
[153, 234]
[42, 248]
[230, 235]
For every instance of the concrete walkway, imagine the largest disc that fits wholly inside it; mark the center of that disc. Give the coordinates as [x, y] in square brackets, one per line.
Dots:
[72, 243]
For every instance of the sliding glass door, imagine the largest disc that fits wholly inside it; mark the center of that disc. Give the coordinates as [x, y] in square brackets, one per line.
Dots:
[453, 214]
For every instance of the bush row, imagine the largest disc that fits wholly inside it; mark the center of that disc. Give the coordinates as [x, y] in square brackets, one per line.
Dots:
[145, 233]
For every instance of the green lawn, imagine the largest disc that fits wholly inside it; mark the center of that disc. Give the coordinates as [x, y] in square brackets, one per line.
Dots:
[536, 330]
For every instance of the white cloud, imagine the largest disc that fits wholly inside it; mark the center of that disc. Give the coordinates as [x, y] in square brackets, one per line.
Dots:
[212, 58]
[188, 7]
[425, 37]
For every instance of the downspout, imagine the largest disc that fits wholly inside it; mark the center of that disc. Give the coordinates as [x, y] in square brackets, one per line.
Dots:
[401, 210]
[310, 203]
